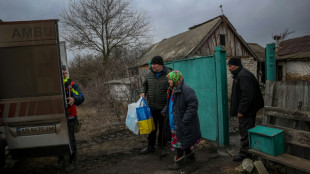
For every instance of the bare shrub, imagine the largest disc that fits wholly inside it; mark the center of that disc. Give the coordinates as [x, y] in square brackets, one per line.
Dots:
[98, 80]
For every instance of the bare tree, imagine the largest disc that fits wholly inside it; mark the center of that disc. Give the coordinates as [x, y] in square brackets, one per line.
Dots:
[103, 26]
[282, 36]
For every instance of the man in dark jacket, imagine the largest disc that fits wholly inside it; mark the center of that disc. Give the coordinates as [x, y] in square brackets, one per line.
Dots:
[246, 100]
[155, 88]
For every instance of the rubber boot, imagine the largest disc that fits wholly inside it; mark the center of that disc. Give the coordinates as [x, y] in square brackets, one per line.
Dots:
[72, 163]
[148, 149]
[178, 163]
[190, 157]
[61, 162]
[162, 152]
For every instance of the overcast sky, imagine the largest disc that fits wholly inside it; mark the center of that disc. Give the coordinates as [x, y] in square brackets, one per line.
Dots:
[255, 20]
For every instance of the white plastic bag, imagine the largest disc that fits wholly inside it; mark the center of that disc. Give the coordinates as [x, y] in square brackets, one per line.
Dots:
[131, 119]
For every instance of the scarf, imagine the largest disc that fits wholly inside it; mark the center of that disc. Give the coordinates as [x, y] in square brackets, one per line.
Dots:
[176, 77]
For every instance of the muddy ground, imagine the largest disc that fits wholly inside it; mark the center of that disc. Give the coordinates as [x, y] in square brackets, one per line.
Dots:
[105, 145]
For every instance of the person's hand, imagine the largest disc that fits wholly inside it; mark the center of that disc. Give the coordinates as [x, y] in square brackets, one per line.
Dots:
[142, 95]
[163, 114]
[70, 100]
[240, 115]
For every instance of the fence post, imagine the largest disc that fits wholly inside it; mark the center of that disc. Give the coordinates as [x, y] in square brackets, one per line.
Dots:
[222, 96]
[270, 62]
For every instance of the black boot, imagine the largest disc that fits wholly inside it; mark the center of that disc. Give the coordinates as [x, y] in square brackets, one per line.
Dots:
[72, 163]
[178, 163]
[190, 157]
[61, 162]
[148, 149]
[162, 152]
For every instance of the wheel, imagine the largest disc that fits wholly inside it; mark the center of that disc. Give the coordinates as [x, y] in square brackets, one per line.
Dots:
[2, 154]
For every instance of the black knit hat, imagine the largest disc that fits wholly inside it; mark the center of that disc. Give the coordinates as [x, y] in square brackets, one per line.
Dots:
[63, 67]
[234, 61]
[157, 60]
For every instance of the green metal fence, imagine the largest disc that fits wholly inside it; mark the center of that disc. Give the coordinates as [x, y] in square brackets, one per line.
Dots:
[270, 62]
[207, 76]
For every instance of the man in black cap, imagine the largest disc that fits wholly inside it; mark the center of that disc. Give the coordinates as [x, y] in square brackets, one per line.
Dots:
[246, 100]
[155, 88]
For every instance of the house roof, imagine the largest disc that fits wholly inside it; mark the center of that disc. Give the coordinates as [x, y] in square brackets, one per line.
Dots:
[296, 48]
[258, 50]
[184, 44]
[180, 45]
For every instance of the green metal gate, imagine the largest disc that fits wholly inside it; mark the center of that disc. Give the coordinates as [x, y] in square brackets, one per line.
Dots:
[207, 76]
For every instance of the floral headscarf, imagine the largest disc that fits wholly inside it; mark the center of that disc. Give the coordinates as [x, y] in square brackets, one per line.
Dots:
[176, 77]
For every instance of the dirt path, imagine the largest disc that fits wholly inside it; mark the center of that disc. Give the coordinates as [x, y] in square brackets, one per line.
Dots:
[117, 151]
[114, 149]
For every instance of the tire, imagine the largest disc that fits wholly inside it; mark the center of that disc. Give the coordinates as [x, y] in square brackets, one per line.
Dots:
[2, 154]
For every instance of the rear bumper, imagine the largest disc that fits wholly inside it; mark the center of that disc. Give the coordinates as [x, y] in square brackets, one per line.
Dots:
[40, 151]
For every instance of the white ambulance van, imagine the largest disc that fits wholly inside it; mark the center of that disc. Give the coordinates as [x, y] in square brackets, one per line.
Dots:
[32, 106]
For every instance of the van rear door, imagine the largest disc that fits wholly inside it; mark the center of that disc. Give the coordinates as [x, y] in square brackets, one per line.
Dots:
[31, 90]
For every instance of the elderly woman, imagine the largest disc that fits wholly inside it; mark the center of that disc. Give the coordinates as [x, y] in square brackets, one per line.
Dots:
[182, 120]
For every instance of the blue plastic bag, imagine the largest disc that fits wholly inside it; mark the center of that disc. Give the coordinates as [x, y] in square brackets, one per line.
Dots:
[145, 119]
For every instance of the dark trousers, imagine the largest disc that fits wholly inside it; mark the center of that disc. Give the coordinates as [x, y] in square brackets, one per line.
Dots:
[245, 123]
[71, 125]
[158, 121]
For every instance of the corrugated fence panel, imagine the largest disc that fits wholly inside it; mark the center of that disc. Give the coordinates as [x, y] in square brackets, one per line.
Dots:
[200, 74]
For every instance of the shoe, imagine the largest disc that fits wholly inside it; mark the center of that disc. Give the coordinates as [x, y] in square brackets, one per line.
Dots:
[163, 152]
[178, 163]
[190, 157]
[148, 149]
[60, 163]
[238, 158]
[70, 168]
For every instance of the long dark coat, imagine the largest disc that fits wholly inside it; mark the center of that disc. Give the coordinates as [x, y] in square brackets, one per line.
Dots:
[246, 96]
[185, 106]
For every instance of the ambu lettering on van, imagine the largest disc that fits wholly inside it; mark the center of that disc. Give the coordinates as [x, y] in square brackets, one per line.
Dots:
[31, 32]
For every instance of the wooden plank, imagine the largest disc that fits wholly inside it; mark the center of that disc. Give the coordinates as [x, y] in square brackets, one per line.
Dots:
[269, 97]
[269, 93]
[287, 113]
[286, 159]
[293, 136]
[301, 152]
[260, 168]
[287, 94]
